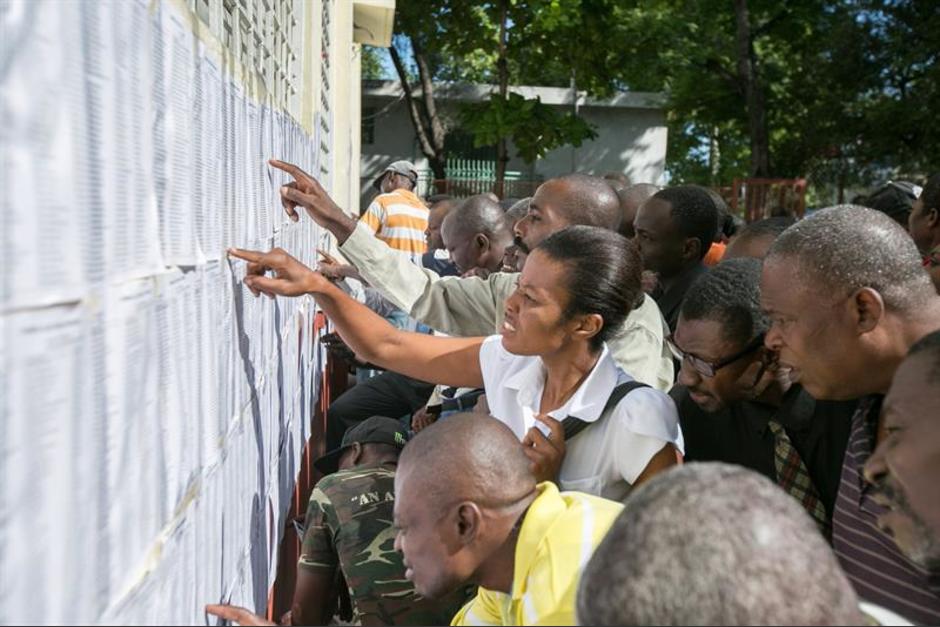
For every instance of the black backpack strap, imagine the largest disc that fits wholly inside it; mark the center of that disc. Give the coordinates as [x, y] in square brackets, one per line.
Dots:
[574, 425]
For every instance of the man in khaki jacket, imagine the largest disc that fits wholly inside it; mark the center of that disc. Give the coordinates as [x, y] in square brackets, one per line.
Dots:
[474, 306]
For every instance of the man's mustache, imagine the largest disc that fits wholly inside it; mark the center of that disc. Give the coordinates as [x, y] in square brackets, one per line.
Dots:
[518, 243]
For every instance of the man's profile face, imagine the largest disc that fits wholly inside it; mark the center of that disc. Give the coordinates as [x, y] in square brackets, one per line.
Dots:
[432, 236]
[813, 332]
[743, 379]
[465, 250]
[426, 539]
[905, 466]
[661, 244]
[545, 215]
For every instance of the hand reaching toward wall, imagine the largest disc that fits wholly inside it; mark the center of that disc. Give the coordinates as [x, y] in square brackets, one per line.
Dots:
[304, 191]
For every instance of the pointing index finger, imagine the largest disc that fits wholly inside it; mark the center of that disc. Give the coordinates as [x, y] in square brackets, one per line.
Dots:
[290, 168]
[247, 255]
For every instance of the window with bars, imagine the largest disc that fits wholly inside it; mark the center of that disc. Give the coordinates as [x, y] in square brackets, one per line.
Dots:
[325, 116]
[262, 34]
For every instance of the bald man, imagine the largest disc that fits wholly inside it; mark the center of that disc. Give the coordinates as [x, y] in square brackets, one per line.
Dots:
[476, 235]
[474, 306]
[715, 544]
[468, 510]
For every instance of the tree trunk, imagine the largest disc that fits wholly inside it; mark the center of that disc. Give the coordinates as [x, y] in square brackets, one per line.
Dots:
[714, 157]
[756, 100]
[425, 119]
[502, 66]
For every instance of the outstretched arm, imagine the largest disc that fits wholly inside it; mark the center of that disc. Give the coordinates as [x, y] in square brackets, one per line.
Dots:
[467, 307]
[448, 361]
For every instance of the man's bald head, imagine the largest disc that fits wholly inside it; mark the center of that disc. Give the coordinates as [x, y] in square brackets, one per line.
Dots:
[477, 214]
[714, 544]
[476, 234]
[462, 485]
[631, 197]
[570, 200]
[587, 200]
[468, 456]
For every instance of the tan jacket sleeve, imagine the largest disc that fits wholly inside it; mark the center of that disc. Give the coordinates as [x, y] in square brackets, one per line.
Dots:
[640, 347]
[461, 307]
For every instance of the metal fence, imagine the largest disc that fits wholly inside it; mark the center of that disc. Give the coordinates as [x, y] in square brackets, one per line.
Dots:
[468, 177]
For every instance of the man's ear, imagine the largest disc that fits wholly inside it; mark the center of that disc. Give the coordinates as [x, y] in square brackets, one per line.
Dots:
[692, 249]
[868, 308]
[356, 453]
[933, 218]
[469, 522]
[483, 242]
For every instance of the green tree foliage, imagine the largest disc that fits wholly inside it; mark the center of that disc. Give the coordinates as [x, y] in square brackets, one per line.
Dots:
[847, 84]
[535, 128]
[372, 63]
[547, 42]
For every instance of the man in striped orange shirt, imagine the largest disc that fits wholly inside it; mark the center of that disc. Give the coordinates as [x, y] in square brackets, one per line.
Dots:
[397, 216]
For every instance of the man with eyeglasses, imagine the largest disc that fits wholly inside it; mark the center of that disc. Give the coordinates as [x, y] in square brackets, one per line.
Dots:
[737, 405]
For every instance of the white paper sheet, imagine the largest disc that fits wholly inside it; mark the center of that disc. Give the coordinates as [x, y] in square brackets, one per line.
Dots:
[43, 139]
[148, 399]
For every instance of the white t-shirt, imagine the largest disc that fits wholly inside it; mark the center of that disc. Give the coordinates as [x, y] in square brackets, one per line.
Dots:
[604, 459]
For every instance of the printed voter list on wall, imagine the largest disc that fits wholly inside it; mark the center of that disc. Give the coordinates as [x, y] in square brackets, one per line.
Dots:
[152, 410]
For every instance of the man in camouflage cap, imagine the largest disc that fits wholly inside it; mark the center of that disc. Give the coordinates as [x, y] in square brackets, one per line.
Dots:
[349, 535]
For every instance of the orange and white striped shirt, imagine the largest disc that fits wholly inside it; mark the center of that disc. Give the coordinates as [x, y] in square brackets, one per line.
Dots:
[399, 219]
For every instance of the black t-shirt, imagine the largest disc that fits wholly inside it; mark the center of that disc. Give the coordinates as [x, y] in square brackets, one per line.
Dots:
[739, 435]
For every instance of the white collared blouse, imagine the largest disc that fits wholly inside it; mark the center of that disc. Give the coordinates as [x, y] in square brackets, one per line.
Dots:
[604, 459]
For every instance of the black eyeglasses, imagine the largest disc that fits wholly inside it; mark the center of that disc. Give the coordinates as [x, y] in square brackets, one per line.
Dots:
[710, 368]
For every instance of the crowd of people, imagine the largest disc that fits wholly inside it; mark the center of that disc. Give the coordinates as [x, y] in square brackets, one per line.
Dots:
[611, 404]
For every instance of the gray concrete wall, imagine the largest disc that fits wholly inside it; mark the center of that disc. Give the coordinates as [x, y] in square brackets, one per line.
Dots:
[632, 141]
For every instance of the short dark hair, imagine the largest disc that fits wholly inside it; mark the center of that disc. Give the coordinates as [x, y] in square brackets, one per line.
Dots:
[725, 220]
[931, 193]
[894, 199]
[730, 295]
[847, 247]
[603, 271]
[929, 346]
[693, 212]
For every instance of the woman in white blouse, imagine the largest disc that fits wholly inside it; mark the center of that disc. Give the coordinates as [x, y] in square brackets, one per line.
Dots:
[549, 362]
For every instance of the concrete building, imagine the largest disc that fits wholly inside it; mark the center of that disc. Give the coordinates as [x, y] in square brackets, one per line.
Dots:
[631, 130]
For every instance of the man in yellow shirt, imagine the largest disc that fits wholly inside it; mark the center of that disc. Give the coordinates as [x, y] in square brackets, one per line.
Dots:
[468, 510]
[397, 216]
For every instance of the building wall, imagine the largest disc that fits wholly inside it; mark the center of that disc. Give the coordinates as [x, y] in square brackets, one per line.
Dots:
[632, 141]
